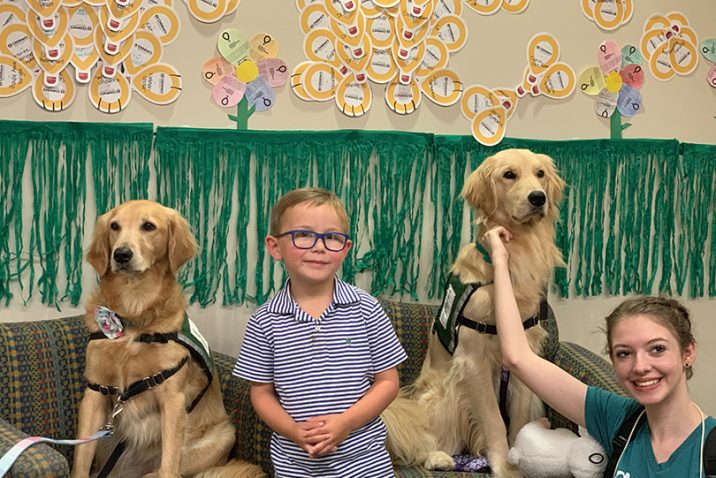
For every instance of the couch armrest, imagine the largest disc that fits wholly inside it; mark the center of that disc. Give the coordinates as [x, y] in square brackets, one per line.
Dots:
[38, 460]
[586, 366]
[42, 376]
[253, 437]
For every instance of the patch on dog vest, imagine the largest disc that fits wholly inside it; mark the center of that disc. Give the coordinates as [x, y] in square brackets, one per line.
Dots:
[447, 322]
[190, 337]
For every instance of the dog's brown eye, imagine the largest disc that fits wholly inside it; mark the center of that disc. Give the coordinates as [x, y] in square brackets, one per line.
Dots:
[115, 226]
[509, 175]
[148, 226]
[540, 173]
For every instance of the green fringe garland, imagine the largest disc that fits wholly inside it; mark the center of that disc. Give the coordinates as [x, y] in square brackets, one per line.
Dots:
[119, 151]
[696, 183]
[13, 156]
[638, 215]
[197, 172]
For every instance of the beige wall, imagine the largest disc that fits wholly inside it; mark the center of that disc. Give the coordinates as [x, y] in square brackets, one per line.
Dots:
[683, 108]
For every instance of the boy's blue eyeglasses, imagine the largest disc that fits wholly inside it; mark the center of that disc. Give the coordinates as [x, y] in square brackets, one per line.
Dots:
[303, 239]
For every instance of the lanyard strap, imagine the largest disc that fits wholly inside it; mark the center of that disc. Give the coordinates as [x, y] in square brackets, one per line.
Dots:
[9, 458]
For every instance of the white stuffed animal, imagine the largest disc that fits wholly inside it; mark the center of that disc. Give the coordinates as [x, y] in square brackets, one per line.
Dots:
[539, 452]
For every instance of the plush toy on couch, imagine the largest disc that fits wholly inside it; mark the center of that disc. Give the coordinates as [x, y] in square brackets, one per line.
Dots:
[539, 452]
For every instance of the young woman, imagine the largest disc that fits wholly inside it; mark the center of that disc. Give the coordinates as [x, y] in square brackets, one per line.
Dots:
[652, 349]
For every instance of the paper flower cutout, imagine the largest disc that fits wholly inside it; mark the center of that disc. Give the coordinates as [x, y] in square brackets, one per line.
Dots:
[616, 81]
[114, 47]
[245, 74]
[669, 45]
[489, 109]
[708, 50]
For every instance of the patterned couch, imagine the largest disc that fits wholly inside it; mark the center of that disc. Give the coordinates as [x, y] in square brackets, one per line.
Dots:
[41, 366]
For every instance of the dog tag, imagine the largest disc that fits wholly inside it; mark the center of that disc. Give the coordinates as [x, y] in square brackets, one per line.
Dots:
[108, 322]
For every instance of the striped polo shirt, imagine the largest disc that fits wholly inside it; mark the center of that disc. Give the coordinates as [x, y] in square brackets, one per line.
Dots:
[321, 367]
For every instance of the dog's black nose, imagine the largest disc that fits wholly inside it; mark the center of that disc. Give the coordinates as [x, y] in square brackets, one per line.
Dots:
[537, 198]
[122, 255]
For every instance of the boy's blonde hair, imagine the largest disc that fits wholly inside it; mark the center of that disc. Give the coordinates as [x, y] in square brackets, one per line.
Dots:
[310, 197]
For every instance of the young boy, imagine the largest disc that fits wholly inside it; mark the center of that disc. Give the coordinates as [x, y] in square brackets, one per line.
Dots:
[321, 354]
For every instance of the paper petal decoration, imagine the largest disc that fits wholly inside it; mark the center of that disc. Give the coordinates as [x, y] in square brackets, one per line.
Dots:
[629, 101]
[708, 49]
[228, 91]
[606, 103]
[592, 81]
[233, 45]
[274, 71]
[260, 94]
[631, 55]
[216, 68]
[711, 75]
[633, 75]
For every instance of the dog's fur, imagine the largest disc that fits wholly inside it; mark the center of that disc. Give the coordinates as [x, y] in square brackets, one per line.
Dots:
[455, 397]
[162, 439]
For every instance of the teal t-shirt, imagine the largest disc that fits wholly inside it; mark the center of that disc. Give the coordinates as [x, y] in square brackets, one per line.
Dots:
[604, 414]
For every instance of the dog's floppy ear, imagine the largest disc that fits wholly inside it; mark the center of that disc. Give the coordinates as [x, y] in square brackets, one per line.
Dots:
[479, 189]
[98, 253]
[554, 186]
[182, 245]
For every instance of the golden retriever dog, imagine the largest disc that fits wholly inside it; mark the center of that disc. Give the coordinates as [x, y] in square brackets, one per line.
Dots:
[154, 391]
[456, 396]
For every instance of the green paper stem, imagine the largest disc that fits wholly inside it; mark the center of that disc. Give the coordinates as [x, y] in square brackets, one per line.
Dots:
[243, 113]
[615, 125]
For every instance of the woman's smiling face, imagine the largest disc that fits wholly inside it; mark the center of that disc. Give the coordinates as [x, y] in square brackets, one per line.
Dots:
[648, 360]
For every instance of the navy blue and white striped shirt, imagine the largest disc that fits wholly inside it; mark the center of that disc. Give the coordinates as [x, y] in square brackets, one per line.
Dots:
[321, 367]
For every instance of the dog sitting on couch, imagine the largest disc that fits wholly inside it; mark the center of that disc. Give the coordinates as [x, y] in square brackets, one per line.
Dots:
[149, 373]
[455, 404]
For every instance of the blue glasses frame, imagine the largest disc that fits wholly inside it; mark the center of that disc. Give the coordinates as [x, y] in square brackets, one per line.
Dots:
[316, 236]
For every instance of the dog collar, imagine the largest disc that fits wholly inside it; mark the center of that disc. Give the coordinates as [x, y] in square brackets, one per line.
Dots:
[485, 255]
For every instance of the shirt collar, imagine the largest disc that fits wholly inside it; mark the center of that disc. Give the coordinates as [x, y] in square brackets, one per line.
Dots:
[283, 303]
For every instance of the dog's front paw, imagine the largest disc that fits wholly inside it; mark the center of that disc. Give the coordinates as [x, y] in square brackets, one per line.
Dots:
[439, 460]
[160, 474]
